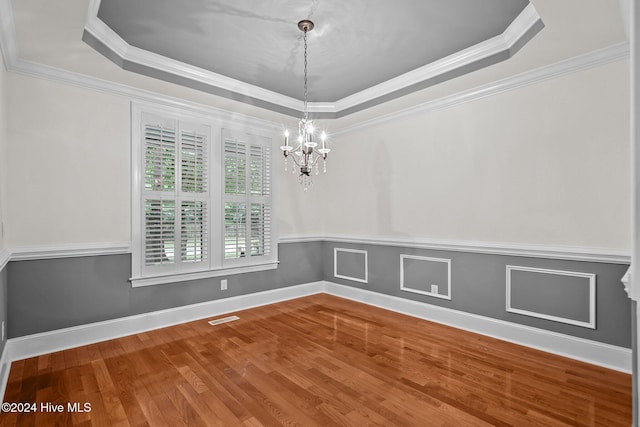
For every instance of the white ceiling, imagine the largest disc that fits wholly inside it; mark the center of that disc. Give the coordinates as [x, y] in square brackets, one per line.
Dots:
[50, 35]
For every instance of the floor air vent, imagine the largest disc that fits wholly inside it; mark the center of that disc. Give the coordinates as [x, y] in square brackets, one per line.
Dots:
[223, 320]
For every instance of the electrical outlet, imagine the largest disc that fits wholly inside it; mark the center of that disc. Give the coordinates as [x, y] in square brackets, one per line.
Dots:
[434, 289]
[223, 285]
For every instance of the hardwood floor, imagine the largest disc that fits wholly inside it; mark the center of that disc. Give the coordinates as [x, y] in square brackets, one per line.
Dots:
[318, 360]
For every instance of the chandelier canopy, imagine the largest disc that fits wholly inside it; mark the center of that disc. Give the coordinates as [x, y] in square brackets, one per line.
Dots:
[305, 154]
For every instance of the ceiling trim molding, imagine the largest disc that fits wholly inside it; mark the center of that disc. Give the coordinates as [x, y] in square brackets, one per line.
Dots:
[132, 58]
[520, 26]
[527, 21]
[102, 38]
[593, 59]
[13, 63]
[58, 75]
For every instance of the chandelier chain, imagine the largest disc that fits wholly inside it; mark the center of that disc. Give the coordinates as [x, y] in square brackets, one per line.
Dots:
[305, 75]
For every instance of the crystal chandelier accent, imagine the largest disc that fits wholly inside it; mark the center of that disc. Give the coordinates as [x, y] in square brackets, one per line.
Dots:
[306, 155]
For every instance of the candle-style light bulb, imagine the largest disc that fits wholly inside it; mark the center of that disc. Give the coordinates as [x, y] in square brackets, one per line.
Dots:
[286, 137]
[310, 130]
[323, 137]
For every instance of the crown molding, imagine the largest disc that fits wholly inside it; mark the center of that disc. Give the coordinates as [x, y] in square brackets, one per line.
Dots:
[527, 22]
[14, 64]
[585, 61]
[105, 40]
[520, 26]
[128, 56]
[46, 72]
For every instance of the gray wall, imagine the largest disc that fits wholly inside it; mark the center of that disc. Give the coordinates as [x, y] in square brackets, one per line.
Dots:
[58, 293]
[478, 285]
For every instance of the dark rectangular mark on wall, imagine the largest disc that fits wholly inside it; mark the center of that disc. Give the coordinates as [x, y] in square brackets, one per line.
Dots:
[350, 264]
[562, 296]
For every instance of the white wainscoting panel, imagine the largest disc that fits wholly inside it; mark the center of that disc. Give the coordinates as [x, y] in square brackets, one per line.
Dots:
[336, 262]
[591, 283]
[426, 260]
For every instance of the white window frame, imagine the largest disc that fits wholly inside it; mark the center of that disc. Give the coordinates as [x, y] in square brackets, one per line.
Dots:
[216, 120]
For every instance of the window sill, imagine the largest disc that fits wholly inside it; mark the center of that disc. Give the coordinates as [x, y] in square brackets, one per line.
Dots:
[137, 282]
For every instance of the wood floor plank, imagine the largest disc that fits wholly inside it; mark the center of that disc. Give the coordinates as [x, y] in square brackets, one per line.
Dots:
[316, 361]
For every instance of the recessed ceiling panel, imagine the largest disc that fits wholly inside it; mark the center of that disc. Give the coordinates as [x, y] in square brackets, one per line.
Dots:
[355, 45]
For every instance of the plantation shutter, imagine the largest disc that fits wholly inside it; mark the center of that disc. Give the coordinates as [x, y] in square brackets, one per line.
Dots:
[201, 196]
[194, 209]
[159, 194]
[175, 196]
[247, 196]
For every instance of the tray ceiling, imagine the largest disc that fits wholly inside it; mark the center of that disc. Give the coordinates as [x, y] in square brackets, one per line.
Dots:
[360, 54]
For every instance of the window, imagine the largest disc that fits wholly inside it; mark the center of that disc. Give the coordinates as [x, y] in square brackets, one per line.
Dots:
[202, 198]
[247, 196]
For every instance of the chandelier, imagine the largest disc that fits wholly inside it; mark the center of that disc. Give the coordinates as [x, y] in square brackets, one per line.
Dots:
[306, 154]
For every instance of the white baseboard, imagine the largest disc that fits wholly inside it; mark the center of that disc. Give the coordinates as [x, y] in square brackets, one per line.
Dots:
[5, 367]
[61, 339]
[596, 353]
[593, 352]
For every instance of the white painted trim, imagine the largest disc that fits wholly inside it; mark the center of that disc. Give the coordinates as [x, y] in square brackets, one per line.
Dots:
[126, 52]
[597, 353]
[215, 265]
[195, 275]
[61, 339]
[592, 296]
[527, 19]
[5, 368]
[71, 78]
[600, 354]
[520, 26]
[405, 288]
[5, 257]
[634, 285]
[626, 281]
[14, 64]
[585, 61]
[8, 43]
[612, 256]
[625, 12]
[69, 250]
[300, 239]
[357, 251]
